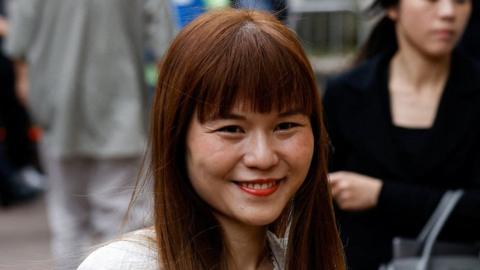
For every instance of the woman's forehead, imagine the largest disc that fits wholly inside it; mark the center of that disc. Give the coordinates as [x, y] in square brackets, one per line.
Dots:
[218, 103]
[288, 109]
[248, 107]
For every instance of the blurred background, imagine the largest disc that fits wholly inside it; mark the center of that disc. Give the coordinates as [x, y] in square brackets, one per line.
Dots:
[331, 32]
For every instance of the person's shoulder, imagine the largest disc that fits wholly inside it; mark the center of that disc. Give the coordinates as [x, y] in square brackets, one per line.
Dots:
[345, 88]
[133, 251]
[357, 74]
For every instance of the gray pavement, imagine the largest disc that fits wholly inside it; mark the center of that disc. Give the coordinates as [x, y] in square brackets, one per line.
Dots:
[24, 237]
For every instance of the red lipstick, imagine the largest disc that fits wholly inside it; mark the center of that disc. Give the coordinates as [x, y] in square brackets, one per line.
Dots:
[444, 34]
[259, 187]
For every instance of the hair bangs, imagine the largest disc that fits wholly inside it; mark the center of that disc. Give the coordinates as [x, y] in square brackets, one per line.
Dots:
[256, 71]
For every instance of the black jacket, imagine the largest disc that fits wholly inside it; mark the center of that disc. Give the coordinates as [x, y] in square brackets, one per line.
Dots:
[359, 123]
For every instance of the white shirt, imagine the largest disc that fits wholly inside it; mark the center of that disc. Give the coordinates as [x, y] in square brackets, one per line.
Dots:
[138, 251]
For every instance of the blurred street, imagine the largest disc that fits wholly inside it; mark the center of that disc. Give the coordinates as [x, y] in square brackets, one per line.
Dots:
[25, 237]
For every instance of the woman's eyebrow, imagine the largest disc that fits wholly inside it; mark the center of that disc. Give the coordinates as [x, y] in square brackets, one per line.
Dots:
[291, 112]
[233, 116]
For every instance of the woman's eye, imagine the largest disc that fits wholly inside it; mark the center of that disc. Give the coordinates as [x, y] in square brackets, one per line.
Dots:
[230, 129]
[286, 126]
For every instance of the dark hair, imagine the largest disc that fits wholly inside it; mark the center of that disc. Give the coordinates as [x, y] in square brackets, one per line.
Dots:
[220, 58]
[382, 38]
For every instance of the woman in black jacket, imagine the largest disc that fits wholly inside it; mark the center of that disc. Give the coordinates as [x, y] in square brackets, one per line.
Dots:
[404, 125]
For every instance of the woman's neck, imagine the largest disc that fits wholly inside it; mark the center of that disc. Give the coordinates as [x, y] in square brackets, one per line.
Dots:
[247, 246]
[411, 70]
[416, 84]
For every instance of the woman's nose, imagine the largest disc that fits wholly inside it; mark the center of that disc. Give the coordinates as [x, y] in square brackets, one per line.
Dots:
[260, 152]
[446, 8]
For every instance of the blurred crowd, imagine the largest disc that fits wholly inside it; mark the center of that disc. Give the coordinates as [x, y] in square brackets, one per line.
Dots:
[19, 168]
[76, 79]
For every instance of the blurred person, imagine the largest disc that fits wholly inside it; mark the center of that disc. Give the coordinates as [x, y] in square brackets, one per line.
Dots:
[86, 90]
[17, 150]
[238, 153]
[20, 180]
[14, 186]
[403, 125]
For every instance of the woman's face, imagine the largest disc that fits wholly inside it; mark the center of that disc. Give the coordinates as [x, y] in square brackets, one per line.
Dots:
[431, 27]
[247, 166]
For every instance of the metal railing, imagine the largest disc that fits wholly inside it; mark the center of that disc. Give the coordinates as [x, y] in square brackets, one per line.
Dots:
[328, 26]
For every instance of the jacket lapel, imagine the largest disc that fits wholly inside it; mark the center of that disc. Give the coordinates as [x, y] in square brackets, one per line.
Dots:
[373, 121]
[456, 113]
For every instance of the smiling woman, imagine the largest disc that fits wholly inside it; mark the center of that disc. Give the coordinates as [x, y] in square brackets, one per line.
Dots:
[238, 155]
[247, 168]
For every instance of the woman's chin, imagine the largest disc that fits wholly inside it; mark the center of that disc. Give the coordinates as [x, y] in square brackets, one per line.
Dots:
[260, 219]
[252, 219]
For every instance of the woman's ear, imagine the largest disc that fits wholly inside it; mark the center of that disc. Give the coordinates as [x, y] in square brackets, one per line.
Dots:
[392, 13]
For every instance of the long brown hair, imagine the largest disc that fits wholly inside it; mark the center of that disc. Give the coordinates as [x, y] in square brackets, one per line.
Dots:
[220, 58]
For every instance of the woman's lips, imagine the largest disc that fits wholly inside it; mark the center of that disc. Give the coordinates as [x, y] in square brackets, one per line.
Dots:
[259, 187]
[444, 34]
